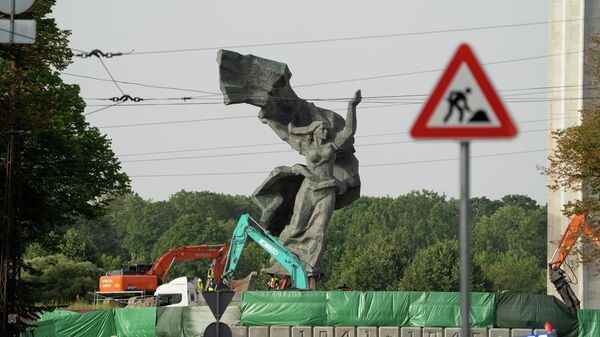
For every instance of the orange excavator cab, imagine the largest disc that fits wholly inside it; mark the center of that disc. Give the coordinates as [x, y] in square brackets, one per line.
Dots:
[149, 277]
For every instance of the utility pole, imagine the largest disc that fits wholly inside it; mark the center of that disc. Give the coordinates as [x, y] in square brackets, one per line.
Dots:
[20, 31]
[10, 253]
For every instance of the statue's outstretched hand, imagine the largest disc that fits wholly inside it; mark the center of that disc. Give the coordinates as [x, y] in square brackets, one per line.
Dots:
[262, 116]
[356, 99]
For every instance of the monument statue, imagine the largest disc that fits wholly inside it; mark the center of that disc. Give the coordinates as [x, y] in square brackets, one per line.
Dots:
[296, 202]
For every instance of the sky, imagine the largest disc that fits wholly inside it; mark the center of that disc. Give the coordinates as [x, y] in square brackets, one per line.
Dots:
[394, 51]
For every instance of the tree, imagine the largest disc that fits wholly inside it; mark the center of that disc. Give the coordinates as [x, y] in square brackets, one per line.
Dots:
[512, 228]
[436, 268]
[77, 247]
[575, 163]
[515, 271]
[377, 265]
[59, 280]
[66, 168]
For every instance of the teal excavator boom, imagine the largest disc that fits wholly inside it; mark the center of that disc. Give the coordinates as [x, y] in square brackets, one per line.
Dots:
[288, 260]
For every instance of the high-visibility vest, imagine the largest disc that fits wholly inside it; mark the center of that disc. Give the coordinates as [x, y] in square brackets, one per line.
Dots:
[200, 286]
[274, 282]
[211, 273]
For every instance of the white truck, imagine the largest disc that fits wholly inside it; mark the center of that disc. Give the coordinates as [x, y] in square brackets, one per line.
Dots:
[181, 292]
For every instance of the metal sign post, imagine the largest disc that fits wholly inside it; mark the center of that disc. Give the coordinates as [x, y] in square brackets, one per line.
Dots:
[11, 32]
[465, 240]
[464, 106]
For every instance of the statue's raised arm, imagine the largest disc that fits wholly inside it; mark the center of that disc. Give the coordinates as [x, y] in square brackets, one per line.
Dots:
[350, 127]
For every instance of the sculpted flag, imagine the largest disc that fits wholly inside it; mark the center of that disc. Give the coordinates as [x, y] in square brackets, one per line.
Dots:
[297, 202]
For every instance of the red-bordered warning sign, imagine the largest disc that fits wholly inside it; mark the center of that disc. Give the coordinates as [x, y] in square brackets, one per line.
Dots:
[464, 104]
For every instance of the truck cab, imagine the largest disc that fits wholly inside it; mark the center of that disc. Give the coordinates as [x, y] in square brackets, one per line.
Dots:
[181, 292]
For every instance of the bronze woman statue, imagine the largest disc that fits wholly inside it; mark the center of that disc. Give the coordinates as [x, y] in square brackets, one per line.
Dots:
[296, 202]
[315, 199]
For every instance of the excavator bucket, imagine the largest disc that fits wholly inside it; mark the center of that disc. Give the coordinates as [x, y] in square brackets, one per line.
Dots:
[244, 284]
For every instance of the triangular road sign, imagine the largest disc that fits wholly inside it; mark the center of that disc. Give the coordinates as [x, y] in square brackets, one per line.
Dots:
[464, 105]
[218, 301]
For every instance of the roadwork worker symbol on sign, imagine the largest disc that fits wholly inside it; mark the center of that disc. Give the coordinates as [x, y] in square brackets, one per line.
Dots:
[464, 104]
[458, 102]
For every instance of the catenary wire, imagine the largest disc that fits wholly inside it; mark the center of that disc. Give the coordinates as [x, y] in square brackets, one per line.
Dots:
[276, 151]
[327, 82]
[362, 166]
[352, 38]
[280, 143]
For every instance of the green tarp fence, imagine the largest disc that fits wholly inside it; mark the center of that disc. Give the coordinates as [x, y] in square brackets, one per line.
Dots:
[329, 308]
[134, 322]
[532, 311]
[589, 323]
[90, 324]
[284, 307]
[371, 308]
[192, 321]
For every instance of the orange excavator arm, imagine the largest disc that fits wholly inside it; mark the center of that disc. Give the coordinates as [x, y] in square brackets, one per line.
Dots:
[572, 233]
[557, 277]
[218, 253]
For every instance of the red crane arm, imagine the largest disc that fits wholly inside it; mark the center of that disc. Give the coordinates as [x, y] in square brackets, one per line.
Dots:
[572, 233]
[216, 252]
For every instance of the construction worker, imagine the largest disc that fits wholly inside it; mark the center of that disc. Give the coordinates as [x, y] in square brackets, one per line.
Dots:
[199, 285]
[210, 276]
[274, 282]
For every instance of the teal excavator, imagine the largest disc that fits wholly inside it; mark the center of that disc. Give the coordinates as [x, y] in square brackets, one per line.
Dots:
[269, 243]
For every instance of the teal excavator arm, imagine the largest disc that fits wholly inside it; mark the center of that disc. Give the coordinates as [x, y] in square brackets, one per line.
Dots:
[288, 260]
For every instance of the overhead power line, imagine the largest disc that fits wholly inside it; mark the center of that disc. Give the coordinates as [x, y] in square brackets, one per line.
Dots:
[361, 166]
[365, 99]
[378, 77]
[239, 154]
[382, 104]
[186, 121]
[350, 38]
[139, 84]
[217, 95]
[173, 122]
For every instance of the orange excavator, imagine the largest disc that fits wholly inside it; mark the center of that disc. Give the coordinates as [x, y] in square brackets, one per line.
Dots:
[557, 275]
[149, 277]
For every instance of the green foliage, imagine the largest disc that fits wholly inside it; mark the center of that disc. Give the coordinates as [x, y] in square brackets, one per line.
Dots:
[436, 268]
[60, 279]
[403, 243]
[515, 271]
[512, 228]
[76, 246]
[375, 266]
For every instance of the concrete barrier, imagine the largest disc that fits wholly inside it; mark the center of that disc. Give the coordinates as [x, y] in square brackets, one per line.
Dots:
[433, 332]
[239, 331]
[520, 332]
[302, 331]
[411, 332]
[371, 331]
[345, 331]
[323, 331]
[258, 331]
[366, 331]
[279, 331]
[499, 332]
[389, 331]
